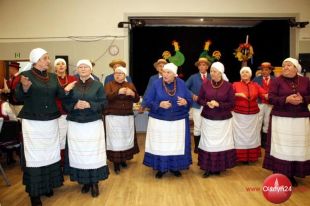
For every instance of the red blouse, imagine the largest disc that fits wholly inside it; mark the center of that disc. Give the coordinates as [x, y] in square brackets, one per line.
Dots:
[63, 82]
[251, 90]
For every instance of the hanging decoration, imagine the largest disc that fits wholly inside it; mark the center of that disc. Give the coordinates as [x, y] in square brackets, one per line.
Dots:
[244, 52]
[216, 55]
[178, 58]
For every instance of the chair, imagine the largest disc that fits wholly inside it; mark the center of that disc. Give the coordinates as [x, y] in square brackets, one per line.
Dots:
[1, 169]
[10, 138]
[10, 141]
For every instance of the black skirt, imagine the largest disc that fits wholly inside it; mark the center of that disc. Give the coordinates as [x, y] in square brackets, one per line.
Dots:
[41, 180]
[88, 176]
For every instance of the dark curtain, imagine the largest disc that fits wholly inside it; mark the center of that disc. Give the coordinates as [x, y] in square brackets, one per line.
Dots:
[270, 40]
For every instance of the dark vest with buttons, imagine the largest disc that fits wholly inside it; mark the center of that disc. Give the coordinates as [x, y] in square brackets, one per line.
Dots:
[40, 99]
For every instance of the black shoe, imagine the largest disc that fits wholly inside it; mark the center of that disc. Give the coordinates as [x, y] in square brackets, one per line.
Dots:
[94, 190]
[206, 174]
[35, 201]
[293, 181]
[85, 188]
[11, 161]
[159, 174]
[216, 173]
[246, 162]
[49, 194]
[176, 173]
[196, 141]
[263, 140]
[117, 169]
[123, 164]
[196, 150]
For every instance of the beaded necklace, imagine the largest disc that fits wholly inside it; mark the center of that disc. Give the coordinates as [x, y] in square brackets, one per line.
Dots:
[171, 92]
[39, 77]
[216, 85]
[64, 84]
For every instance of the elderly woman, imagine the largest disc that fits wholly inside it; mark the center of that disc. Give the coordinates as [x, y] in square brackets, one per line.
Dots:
[64, 79]
[167, 146]
[246, 128]
[194, 84]
[216, 147]
[86, 142]
[119, 119]
[287, 149]
[38, 90]
[113, 65]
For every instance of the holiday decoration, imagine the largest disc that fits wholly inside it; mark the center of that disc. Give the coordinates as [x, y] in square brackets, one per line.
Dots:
[244, 52]
[178, 59]
[216, 55]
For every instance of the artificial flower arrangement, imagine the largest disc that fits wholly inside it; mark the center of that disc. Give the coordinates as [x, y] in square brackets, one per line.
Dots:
[216, 55]
[244, 52]
[178, 59]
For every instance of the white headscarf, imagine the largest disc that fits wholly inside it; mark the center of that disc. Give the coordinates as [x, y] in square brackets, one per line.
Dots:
[34, 57]
[220, 67]
[171, 67]
[247, 69]
[295, 62]
[88, 63]
[121, 69]
[36, 54]
[59, 60]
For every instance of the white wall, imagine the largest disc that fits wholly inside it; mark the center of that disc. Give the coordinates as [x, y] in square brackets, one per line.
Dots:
[51, 22]
[95, 51]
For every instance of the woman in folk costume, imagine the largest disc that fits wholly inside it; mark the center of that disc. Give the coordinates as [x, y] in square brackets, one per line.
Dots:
[167, 146]
[86, 142]
[216, 147]
[38, 90]
[194, 84]
[119, 119]
[246, 128]
[113, 65]
[287, 149]
[64, 79]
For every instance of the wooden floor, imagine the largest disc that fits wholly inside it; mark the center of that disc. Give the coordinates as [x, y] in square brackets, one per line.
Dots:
[136, 185]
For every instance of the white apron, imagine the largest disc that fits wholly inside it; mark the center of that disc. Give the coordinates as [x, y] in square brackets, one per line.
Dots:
[290, 138]
[86, 145]
[120, 132]
[41, 142]
[63, 128]
[246, 131]
[216, 136]
[165, 138]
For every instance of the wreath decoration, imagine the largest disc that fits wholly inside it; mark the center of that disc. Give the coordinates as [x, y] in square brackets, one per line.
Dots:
[244, 52]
